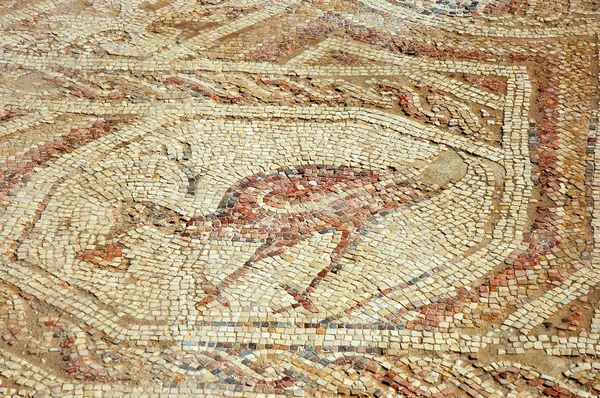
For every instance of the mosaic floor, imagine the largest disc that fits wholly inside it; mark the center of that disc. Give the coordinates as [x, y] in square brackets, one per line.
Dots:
[305, 198]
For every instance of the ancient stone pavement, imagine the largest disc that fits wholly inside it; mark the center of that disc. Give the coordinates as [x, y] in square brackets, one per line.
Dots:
[299, 198]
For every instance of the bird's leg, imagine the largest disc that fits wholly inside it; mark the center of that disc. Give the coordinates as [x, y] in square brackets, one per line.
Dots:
[334, 265]
[302, 299]
[269, 249]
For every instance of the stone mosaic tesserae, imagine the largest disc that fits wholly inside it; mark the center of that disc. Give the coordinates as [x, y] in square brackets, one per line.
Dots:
[299, 198]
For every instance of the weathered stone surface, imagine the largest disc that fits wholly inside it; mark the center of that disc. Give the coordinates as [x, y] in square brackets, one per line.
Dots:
[299, 198]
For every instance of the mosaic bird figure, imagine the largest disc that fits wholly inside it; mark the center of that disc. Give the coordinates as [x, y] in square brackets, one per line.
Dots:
[291, 204]
[286, 206]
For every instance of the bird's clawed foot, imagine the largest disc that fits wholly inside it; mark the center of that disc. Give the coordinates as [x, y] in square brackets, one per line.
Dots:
[302, 300]
[210, 298]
